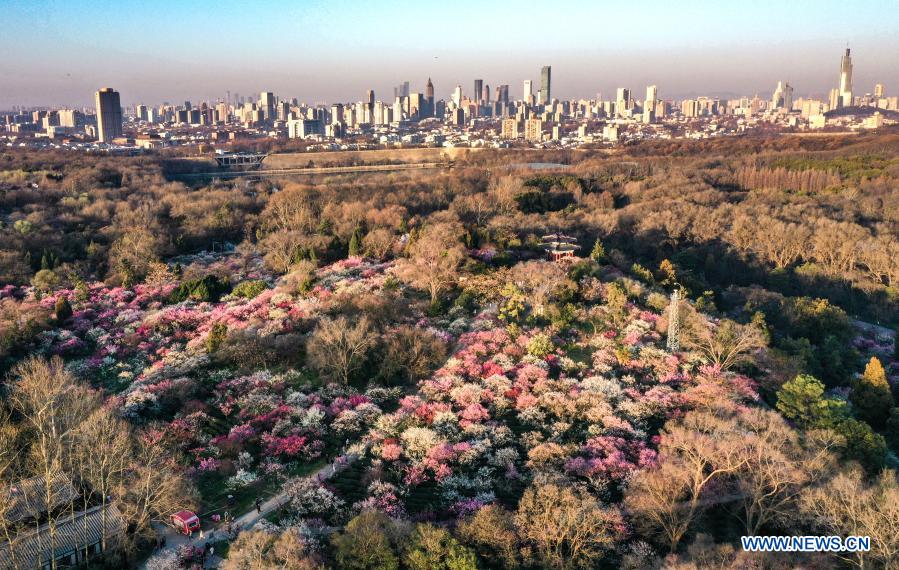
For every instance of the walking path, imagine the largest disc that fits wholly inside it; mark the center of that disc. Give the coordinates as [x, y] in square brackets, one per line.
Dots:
[174, 540]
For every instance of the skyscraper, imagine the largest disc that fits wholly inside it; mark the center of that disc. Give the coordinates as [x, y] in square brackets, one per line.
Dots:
[528, 90]
[846, 80]
[783, 96]
[429, 99]
[109, 114]
[478, 89]
[622, 101]
[878, 91]
[649, 104]
[545, 91]
[267, 105]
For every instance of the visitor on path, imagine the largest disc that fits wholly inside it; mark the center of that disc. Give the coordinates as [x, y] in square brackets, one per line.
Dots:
[258, 505]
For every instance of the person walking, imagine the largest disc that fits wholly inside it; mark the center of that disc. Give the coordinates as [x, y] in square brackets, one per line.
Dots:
[258, 505]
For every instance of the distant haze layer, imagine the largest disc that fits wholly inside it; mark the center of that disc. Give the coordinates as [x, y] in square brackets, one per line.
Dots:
[59, 52]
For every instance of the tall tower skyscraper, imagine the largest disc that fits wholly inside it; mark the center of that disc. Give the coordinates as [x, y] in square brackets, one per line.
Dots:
[109, 114]
[429, 99]
[267, 104]
[649, 104]
[846, 80]
[878, 91]
[545, 90]
[528, 90]
[478, 89]
[622, 101]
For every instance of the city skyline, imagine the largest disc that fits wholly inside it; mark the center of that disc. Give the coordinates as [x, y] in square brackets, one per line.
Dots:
[52, 61]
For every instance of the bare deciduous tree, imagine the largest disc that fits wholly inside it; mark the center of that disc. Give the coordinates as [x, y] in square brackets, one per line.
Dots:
[543, 281]
[781, 463]
[567, 527]
[338, 348]
[434, 259]
[378, 243]
[724, 343]
[695, 452]
[847, 505]
[51, 406]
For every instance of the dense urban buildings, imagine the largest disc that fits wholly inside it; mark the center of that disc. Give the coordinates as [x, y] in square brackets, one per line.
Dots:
[479, 118]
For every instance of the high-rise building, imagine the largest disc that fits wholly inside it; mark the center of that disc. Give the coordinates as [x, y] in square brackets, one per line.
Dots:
[457, 95]
[302, 128]
[878, 91]
[545, 90]
[783, 97]
[416, 104]
[71, 118]
[533, 130]
[690, 108]
[649, 104]
[109, 114]
[141, 112]
[401, 90]
[622, 101]
[267, 105]
[336, 113]
[478, 89]
[528, 91]
[833, 99]
[510, 129]
[429, 99]
[485, 97]
[846, 80]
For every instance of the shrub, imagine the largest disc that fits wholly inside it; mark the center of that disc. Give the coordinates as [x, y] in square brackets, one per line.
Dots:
[62, 309]
[208, 288]
[217, 336]
[540, 346]
[249, 289]
[45, 280]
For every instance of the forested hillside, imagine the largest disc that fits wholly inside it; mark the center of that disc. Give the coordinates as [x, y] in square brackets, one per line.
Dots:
[482, 405]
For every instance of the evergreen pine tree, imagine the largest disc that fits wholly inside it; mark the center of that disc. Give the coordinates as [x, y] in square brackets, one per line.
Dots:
[871, 394]
[599, 252]
[355, 243]
[62, 309]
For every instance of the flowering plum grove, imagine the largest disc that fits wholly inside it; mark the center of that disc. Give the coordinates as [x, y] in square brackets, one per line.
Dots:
[557, 401]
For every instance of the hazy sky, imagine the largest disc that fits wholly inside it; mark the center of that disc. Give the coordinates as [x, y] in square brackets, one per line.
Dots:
[57, 52]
